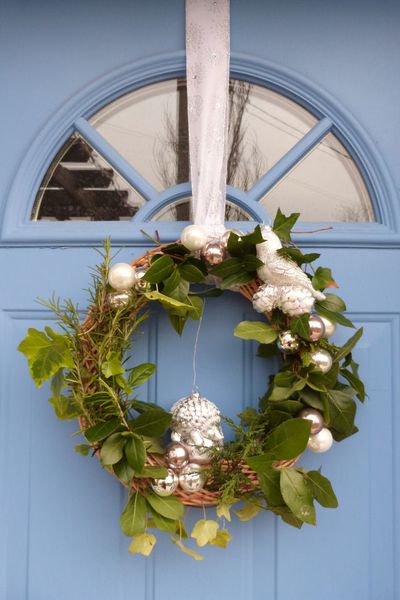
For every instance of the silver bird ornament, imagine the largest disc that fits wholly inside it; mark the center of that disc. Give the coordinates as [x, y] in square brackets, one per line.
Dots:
[286, 286]
[196, 423]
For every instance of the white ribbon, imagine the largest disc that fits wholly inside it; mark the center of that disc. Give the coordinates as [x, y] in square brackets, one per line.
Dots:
[207, 64]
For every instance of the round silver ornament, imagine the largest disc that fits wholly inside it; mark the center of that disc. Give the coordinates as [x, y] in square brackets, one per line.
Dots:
[121, 277]
[322, 359]
[196, 423]
[194, 237]
[330, 327]
[213, 253]
[320, 442]
[192, 478]
[317, 328]
[118, 299]
[225, 236]
[317, 421]
[176, 455]
[167, 485]
[288, 342]
[141, 285]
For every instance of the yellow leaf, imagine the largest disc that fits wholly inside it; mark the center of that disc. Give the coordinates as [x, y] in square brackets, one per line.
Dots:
[204, 531]
[222, 539]
[187, 551]
[223, 510]
[142, 544]
[249, 511]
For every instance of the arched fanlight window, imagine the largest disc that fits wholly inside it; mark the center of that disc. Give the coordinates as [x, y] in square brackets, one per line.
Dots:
[148, 129]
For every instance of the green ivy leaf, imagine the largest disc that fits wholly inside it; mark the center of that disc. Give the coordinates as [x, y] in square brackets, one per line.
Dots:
[323, 278]
[135, 453]
[140, 374]
[223, 510]
[186, 550]
[222, 539]
[256, 330]
[153, 422]
[112, 365]
[58, 382]
[301, 326]
[251, 263]
[197, 307]
[283, 225]
[47, 352]
[204, 531]
[248, 512]
[133, 517]
[65, 407]
[297, 256]
[321, 489]
[102, 430]
[160, 269]
[142, 544]
[112, 450]
[168, 506]
[297, 495]
[83, 449]
[348, 346]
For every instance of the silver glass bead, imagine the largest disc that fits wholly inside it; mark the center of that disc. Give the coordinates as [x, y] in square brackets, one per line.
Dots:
[288, 342]
[176, 455]
[322, 359]
[320, 442]
[317, 328]
[213, 253]
[192, 478]
[317, 421]
[141, 285]
[118, 299]
[167, 485]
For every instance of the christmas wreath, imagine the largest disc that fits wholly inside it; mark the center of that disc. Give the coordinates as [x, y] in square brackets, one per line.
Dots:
[309, 402]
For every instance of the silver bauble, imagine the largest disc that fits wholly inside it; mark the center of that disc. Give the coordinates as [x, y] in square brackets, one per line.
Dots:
[317, 328]
[320, 442]
[121, 277]
[167, 485]
[176, 455]
[141, 285]
[317, 421]
[225, 237]
[213, 253]
[288, 342]
[330, 327]
[194, 237]
[192, 478]
[118, 299]
[322, 359]
[196, 423]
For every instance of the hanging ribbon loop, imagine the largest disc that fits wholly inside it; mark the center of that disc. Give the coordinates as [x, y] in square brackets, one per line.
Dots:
[207, 64]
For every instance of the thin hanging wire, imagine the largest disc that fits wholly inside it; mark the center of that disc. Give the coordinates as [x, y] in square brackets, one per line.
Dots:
[196, 342]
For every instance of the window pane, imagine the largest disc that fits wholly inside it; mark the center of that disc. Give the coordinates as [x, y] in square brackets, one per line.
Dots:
[325, 186]
[180, 211]
[149, 129]
[81, 185]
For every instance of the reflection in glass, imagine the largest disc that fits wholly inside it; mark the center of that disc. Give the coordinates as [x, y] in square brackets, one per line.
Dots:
[325, 186]
[181, 208]
[149, 129]
[81, 185]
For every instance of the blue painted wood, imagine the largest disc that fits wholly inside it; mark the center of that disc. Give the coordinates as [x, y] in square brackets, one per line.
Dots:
[59, 511]
[290, 159]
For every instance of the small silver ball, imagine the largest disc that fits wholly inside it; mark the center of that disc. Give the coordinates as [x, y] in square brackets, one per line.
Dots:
[194, 237]
[225, 237]
[165, 486]
[320, 442]
[288, 342]
[176, 455]
[192, 478]
[322, 359]
[118, 299]
[317, 421]
[213, 253]
[141, 285]
[121, 276]
[330, 327]
[317, 328]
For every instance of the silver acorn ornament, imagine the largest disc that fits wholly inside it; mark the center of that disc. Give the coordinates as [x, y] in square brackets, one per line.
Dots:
[317, 328]
[176, 455]
[121, 277]
[141, 285]
[192, 478]
[196, 423]
[288, 342]
[213, 253]
[330, 327]
[317, 421]
[322, 359]
[321, 441]
[165, 486]
[118, 299]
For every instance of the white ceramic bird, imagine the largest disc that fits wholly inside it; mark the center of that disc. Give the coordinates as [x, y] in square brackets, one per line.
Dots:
[286, 286]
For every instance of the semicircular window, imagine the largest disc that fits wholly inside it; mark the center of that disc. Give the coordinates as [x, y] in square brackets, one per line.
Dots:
[136, 150]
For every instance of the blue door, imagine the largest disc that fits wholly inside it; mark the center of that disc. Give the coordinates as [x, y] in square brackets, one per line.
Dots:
[94, 144]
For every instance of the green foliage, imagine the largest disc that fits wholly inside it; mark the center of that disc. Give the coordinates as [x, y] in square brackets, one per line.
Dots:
[256, 330]
[47, 352]
[283, 225]
[133, 517]
[204, 531]
[142, 544]
[297, 495]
